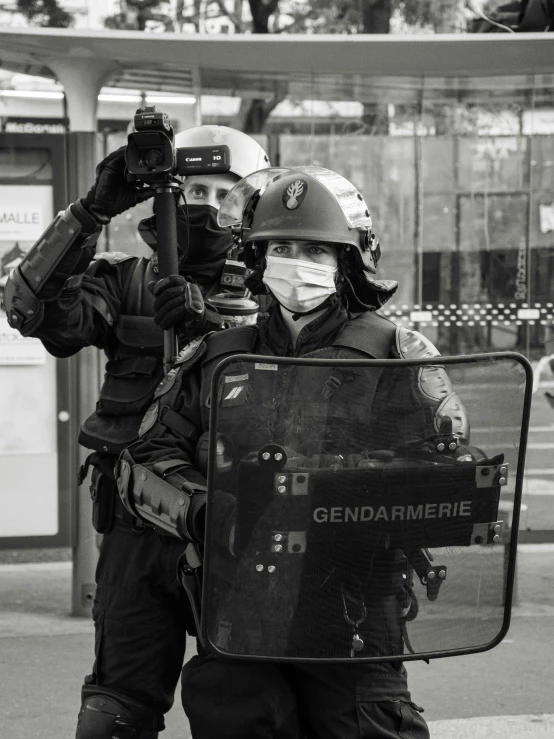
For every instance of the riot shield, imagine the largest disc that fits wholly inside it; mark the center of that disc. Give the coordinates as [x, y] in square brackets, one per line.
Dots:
[352, 512]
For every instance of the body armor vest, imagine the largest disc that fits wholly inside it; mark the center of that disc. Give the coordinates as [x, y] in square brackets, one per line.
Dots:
[369, 335]
[133, 370]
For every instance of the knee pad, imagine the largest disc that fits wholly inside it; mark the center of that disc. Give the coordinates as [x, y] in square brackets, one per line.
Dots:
[104, 715]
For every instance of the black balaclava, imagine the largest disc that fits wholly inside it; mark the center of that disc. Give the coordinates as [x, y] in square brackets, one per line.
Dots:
[202, 244]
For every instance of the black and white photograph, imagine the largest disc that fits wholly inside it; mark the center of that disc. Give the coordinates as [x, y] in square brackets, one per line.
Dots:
[277, 369]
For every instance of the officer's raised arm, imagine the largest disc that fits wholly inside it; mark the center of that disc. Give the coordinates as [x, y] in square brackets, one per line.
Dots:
[43, 295]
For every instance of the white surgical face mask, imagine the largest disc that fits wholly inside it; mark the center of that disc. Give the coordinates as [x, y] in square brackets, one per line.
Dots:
[297, 285]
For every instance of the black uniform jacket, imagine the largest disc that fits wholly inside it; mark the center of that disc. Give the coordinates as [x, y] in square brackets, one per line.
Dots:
[111, 308]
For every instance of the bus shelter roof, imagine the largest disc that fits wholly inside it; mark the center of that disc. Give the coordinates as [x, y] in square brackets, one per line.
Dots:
[332, 67]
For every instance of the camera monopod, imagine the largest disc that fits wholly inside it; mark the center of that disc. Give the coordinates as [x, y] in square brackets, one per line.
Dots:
[152, 158]
[168, 260]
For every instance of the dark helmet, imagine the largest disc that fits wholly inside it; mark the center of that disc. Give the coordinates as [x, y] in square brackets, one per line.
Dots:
[310, 204]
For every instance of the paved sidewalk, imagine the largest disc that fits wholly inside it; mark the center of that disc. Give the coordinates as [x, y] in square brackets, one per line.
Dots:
[507, 693]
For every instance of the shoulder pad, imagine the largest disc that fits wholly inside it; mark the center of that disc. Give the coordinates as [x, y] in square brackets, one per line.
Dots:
[433, 382]
[167, 383]
[192, 351]
[185, 359]
[151, 415]
[369, 333]
[113, 257]
[238, 340]
[413, 345]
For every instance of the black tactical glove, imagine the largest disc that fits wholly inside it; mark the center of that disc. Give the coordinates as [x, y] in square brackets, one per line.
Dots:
[112, 193]
[180, 303]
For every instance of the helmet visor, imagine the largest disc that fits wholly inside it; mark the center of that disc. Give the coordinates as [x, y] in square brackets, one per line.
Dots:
[232, 208]
[350, 201]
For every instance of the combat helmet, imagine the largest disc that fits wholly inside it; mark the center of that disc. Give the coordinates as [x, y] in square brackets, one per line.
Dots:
[312, 204]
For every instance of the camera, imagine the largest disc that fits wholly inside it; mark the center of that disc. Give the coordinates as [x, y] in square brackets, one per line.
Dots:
[152, 157]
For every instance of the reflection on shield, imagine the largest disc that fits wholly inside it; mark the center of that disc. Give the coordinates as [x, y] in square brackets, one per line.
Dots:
[367, 521]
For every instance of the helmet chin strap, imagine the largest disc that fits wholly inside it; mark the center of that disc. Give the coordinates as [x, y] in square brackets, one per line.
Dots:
[326, 303]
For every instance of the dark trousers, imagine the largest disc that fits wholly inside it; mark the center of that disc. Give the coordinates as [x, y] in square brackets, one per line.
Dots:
[238, 700]
[141, 616]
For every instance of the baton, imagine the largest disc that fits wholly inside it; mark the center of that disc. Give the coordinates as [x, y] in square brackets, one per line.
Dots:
[168, 261]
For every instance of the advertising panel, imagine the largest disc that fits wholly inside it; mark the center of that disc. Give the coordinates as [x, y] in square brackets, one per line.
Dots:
[28, 439]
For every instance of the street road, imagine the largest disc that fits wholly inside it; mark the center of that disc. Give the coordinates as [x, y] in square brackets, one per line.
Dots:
[494, 403]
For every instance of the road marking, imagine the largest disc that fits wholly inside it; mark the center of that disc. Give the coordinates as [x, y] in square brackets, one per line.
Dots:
[536, 548]
[486, 387]
[530, 726]
[499, 444]
[533, 445]
[538, 486]
[512, 429]
[36, 567]
[14, 624]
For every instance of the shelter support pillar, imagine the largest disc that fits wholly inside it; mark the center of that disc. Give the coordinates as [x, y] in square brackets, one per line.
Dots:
[82, 81]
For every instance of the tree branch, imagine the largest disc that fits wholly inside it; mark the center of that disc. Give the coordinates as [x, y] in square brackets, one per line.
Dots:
[297, 22]
[232, 17]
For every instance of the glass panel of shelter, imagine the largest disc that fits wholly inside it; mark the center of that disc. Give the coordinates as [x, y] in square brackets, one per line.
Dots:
[29, 438]
[488, 297]
[457, 179]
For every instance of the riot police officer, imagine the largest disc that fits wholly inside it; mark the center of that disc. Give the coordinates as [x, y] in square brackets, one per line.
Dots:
[69, 297]
[308, 239]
